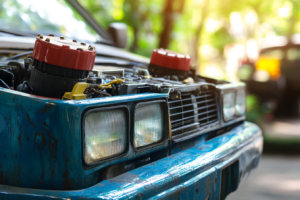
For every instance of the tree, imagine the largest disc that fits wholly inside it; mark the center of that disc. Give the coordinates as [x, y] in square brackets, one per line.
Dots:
[205, 11]
[172, 9]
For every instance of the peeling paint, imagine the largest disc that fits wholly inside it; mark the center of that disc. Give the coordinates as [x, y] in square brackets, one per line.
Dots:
[49, 152]
[40, 140]
[29, 120]
[46, 108]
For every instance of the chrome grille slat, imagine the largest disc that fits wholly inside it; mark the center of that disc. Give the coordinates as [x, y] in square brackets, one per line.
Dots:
[205, 101]
[209, 111]
[181, 106]
[182, 112]
[201, 110]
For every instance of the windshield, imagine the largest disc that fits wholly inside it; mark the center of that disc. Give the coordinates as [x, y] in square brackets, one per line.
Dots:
[47, 17]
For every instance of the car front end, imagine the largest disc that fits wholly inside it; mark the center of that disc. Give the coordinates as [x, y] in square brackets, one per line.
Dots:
[81, 121]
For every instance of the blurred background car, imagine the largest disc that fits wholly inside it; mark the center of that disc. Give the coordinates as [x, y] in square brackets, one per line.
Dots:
[273, 77]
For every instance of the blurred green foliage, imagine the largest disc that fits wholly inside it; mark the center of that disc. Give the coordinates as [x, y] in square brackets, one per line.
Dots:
[143, 14]
[255, 112]
[268, 17]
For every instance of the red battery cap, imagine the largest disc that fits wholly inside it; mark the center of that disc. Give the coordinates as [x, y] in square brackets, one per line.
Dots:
[171, 59]
[64, 52]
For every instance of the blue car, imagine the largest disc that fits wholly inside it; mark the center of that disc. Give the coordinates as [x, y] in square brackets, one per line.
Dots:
[82, 118]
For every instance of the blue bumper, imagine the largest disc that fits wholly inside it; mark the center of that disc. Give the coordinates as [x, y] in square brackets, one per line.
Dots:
[191, 174]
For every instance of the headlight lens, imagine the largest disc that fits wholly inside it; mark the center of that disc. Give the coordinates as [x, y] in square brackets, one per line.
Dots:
[228, 105]
[240, 103]
[148, 127]
[105, 134]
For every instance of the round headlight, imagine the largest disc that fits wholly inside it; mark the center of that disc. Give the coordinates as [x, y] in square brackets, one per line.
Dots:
[240, 103]
[228, 105]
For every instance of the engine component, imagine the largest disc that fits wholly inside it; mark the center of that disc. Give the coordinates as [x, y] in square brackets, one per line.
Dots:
[59, 64]
[91, 90]
[47, 85]
[119, 73]
[3, 84]
[25, 87]
[109, 85]
[12, 75]
[168, 63]
[77, 92]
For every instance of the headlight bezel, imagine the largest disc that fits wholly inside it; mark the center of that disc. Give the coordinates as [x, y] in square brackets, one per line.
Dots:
[113, 157]
[165, 125]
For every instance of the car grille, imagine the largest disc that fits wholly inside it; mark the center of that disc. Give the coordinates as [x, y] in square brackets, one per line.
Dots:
[192, 111]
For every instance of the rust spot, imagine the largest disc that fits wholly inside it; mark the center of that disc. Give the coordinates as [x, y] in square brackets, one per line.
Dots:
[139, 196]
[177, 194]
[52, 144]
[43, 174]
[54, 141]
[42, 167]
[67, 183]
[40, 140]
[46, 107]
[208, 184]
[45, 123]
[20, 139]
[16, 174]
[29, 120]
[1, 174]
[67, 116]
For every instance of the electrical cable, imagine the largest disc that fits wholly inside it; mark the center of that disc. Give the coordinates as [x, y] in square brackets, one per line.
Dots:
[19, 55]
[2, 83]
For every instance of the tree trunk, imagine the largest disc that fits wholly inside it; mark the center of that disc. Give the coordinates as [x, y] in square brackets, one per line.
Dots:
[292, 21]
[135, 45]
[134, 17]
[169, 14]
[200, 28]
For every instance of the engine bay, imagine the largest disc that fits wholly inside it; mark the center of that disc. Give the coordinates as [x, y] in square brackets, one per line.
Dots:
[62, 68]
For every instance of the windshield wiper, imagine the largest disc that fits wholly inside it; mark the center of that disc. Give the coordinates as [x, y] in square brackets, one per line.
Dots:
[17, 33]
[107, 42]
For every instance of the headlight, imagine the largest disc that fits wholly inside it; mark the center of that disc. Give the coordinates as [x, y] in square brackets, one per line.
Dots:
[148, 127]
[105, 134]
[240, 103]
[228, 105]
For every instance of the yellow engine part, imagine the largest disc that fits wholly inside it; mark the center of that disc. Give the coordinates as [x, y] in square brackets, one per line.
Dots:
[269, 64]
[79, 88]
[108, 85]
[188, 80]
[77, 92]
